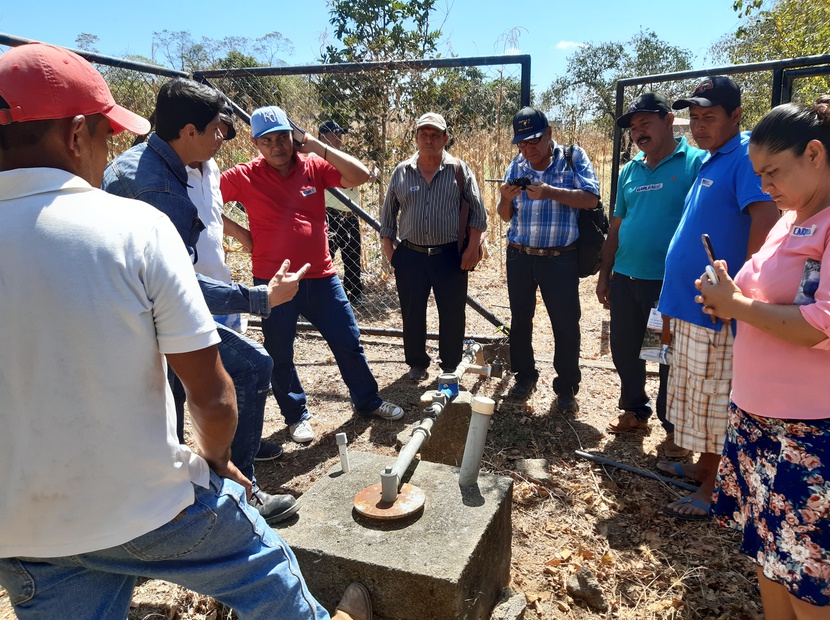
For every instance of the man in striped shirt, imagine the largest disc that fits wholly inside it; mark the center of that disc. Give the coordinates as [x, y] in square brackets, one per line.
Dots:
[540, 254]
[423, 207]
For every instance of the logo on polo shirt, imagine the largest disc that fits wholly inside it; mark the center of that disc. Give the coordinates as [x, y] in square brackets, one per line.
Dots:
[308, 191]
[803, 231]
[706, 182]
[649, 188]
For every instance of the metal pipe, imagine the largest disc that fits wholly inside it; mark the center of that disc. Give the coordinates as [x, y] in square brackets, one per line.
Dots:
[303, 326]
[380, 65]
[476, 438]
[390, 477]
[101, 59]
[635, 470]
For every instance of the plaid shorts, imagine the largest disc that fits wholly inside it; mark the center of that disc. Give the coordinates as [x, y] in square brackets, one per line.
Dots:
[700, 381]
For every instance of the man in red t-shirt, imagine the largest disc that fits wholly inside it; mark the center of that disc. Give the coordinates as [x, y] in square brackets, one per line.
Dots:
[283, 191]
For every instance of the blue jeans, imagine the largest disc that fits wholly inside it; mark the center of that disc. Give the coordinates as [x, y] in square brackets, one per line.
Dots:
[558, 279]
[415, 274]
[249, 366]
[631, 303]
[218, 546]
[323, 302]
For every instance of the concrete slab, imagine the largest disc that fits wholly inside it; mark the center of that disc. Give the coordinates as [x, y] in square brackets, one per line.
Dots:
[449, 562]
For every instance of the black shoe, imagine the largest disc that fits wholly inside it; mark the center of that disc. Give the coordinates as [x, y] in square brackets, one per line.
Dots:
[268, 451]
[522, 390]
[566, 403]
[274, 508]
[416, 373]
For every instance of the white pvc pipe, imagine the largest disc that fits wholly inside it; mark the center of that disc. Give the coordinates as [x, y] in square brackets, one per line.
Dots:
[344, 452]
[476, 438]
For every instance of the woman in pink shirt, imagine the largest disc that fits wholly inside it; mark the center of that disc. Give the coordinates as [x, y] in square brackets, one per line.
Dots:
[774, 476]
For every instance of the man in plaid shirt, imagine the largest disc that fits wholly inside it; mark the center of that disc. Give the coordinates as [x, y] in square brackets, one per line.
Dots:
[541, 250]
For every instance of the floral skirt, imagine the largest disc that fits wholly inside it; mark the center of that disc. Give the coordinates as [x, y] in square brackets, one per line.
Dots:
[774, 485]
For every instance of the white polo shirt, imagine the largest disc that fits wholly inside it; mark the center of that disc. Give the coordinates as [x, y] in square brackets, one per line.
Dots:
[94, 289]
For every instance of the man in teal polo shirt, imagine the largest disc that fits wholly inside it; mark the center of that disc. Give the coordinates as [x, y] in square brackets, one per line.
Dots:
[651, 191]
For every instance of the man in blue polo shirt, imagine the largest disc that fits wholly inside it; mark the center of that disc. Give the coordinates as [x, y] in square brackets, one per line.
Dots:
[726, 202]
[540, 254]
[651, 192]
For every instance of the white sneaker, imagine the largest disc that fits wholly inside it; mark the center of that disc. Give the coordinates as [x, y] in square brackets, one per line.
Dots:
[301, 432]
[388, 411]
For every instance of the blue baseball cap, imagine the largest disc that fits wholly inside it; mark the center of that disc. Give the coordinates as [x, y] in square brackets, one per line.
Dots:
[528, 123]
[268, 120]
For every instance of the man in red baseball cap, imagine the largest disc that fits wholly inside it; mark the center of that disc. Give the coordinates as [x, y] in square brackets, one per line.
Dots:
[97, 487]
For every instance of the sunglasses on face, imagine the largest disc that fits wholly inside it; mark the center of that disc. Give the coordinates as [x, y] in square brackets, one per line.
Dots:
[525, 143]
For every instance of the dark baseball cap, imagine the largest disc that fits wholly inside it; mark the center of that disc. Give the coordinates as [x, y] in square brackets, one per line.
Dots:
[331, 127]
[647, 102]
[712, 91]
[529, 123]
[226, 116]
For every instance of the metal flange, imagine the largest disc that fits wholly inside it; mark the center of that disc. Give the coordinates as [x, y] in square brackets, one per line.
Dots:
[370, 504]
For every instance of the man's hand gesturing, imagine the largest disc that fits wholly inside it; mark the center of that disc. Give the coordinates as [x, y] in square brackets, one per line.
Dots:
[283, 286]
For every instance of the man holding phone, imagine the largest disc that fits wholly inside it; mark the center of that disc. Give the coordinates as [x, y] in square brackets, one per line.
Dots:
[283, 192]
[725, 201]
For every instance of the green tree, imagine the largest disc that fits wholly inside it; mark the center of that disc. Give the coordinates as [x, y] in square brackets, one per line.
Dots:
[586, 93]
[371, 102]
[179, 50]
[87, 42]
[371, 30]
[770, 30]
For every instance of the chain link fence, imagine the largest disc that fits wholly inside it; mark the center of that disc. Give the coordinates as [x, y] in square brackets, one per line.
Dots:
[378, 103]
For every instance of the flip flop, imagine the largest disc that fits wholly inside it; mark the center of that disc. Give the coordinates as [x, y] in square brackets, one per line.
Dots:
[673, 469]
[690, 517]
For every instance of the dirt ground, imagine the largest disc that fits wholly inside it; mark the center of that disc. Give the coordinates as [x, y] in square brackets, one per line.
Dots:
[647, 564]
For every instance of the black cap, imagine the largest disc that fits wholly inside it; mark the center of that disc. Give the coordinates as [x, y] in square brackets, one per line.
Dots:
[331, 127]
[226, 116]
[529, 123]
[712, 91]
[228, 120]
[648, 102]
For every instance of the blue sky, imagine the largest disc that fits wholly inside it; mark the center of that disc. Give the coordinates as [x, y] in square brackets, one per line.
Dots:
[550, 30]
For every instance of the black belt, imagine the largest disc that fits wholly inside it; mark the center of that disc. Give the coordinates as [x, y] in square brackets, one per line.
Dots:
[555, 251]
[430, 250]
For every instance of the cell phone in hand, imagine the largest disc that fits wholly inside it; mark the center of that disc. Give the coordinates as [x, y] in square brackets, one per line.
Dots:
[710, 252]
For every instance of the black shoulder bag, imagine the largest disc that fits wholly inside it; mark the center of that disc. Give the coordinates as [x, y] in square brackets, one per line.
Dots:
[593, 229]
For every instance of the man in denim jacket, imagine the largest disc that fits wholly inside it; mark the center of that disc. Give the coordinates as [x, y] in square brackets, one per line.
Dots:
[187, 130]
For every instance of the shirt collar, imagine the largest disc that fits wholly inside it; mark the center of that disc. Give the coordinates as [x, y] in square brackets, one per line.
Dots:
[446, 159]
[170, 157]
[733, 143]
[24, 182]
[682, 147]
[557, 152]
